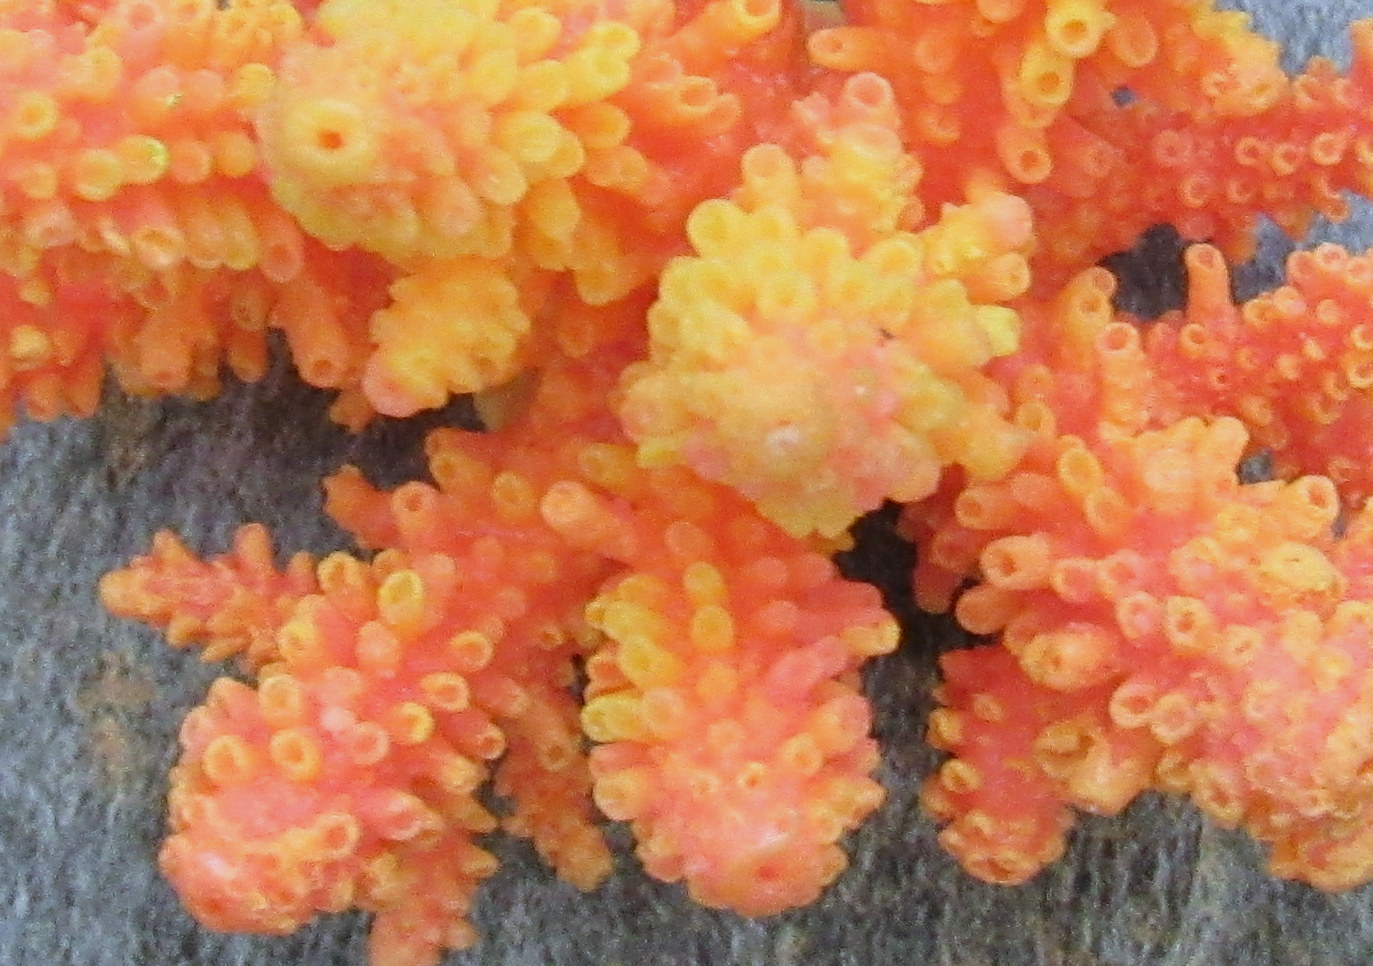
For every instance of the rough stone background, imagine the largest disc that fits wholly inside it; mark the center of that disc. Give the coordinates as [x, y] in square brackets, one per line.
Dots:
[89, 708]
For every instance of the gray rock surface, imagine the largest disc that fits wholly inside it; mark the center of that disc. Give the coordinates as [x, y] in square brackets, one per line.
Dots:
[89, 708]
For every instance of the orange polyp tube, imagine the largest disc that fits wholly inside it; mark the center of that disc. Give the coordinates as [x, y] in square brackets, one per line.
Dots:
[1023, 152]
[1017, 563]
[1000, 11]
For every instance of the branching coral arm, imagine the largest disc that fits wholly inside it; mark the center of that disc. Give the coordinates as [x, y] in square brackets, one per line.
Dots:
[346, 776]
[1212, 177]
[232, 606]
[731, 733]
[1295, 364]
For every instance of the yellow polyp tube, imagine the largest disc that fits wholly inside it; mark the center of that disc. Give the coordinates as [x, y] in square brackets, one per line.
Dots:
[712, 629]
[32, 116]
[1075, 28]
[1046, 76]
[282, 700]
[613, 717]
[646, 664]
[411, 723]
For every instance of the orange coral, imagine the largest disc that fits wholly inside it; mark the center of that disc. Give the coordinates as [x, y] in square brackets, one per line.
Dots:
[1147, 604]
[146, 236]
[52, 363]
[1213, 135]
[1199, 638]
[347, 776]
[722, 277]
[1289, 363]
[993, 89]
[1212, 177]
[717, 626]
[489, 148]
[385, 686]
[699, 610]
[1294, 364]
[232, 606]
[1080, 376]
[733, 736]
[528, 592]
[459, 155]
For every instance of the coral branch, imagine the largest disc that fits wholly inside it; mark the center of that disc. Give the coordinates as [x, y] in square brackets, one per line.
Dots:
[732, 735]
[1200, 637]
[346, 777]
[231, 606]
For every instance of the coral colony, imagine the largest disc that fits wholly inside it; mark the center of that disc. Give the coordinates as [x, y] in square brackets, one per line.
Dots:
[722, 276]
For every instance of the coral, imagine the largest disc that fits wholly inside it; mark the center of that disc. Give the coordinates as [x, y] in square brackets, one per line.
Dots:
[1079, 377]
[1146, 163]
[455, 325]
[732, 734]
[346, 777]
[1293, 364]
[720, 682]
[1205, 638]
[232, 606]
[526, 595]
[720, 276]
[997, 89]
[1290, 364]
[721, 657]
[52, 363]
[1211, 134]
[435, 129]
[1147, 605]
[869, 338]
[144, 236]
[489, 148]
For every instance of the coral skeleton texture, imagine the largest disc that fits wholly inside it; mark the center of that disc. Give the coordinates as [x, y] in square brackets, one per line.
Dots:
[719, 277]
